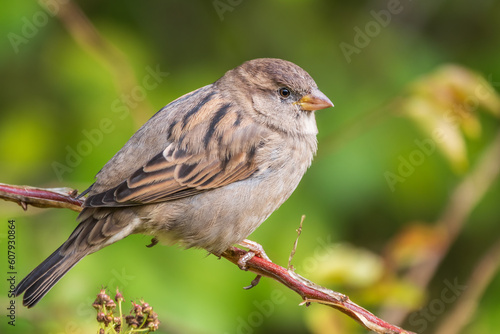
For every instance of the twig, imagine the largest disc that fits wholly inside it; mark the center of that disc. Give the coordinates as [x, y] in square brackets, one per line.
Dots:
[41, 197]
[309, 291]
[294, 248]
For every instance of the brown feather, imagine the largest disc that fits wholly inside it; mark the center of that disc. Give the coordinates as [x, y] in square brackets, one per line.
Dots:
[180, 171]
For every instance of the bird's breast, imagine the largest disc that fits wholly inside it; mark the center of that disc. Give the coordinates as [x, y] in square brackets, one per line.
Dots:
[219, 218]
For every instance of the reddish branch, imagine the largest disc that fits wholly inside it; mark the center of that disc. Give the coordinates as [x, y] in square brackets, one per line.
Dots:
[310, 292]
[41, 197]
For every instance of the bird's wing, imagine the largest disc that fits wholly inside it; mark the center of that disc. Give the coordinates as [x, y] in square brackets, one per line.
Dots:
[175, 174]
[191, 164]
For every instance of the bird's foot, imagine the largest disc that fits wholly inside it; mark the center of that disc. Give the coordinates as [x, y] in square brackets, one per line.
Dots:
[154, 241]
[253, 249]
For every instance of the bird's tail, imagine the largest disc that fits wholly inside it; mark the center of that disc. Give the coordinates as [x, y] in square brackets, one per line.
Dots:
[98, 228]
[49, 272]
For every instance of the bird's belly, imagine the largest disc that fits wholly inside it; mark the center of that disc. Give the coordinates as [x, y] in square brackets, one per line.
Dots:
[219, 218]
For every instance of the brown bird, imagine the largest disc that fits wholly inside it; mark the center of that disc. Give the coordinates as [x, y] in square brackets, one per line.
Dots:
[205, 171]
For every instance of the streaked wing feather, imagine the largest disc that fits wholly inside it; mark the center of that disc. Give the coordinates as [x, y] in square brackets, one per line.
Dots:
[204, 150]
[172, 175]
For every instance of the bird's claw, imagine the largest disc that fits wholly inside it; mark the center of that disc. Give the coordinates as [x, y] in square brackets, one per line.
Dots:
[253, 283]
[154, 241]
[253, 250]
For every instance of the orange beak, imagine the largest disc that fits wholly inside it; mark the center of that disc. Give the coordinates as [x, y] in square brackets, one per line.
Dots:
[316, 100]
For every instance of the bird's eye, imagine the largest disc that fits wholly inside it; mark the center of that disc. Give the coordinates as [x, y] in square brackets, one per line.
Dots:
[284, 92]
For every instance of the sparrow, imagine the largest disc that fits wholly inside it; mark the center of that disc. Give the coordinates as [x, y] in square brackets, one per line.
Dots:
[205, 171]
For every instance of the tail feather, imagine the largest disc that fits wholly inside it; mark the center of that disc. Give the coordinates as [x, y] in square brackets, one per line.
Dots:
[98, 228]
[46, 275]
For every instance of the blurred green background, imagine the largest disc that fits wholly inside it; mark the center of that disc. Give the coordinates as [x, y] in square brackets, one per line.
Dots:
[58, 86]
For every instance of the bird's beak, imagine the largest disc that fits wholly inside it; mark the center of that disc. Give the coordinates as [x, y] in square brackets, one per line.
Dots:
[315, 100]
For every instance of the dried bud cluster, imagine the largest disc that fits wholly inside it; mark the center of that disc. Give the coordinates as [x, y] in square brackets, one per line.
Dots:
[141, 316]
[103, 300]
